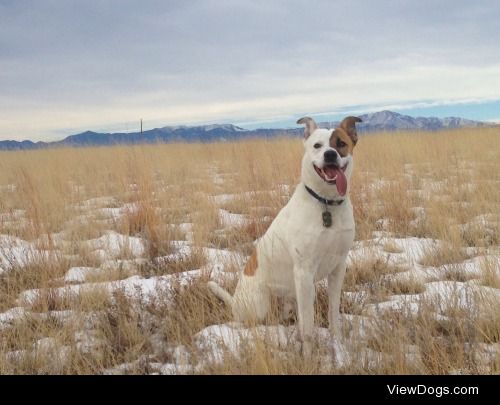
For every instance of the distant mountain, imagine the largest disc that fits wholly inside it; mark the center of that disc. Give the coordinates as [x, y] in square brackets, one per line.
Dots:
[391, 121]
[379, 121]
[21, 145]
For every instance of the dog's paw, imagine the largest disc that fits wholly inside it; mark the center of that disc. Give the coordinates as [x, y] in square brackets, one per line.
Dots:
[340, 354]
[306, 349]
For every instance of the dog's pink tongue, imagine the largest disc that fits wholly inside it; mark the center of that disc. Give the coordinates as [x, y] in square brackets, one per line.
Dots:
[341, 182]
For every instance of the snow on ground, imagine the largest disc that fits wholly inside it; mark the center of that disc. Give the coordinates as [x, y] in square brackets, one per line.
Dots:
[445, 288]
[221, 343]
[134, 287]
[220, 199]
[137, 286]
[15, 252]
[113, 213]
[10, 316]
[97, 202]
[113, 245]
[187, 228]
[403, 252]
[124, 265]
[468, 269]
[80, 274]
[219, 340]
[48, 347]
[218, 258]
[441, 291]
[442, 296]
[414, 249]
[229, 219]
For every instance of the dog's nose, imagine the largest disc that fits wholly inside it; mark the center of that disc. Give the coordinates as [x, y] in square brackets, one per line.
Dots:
[330, 156]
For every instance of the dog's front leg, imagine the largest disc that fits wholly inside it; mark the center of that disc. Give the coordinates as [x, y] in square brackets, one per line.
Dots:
[305, 291]
[335, 280]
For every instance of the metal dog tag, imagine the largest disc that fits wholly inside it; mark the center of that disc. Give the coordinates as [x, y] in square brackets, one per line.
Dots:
[327, 219]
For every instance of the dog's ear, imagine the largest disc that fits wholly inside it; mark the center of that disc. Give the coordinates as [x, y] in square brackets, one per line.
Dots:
[348, 124]
[310, 126]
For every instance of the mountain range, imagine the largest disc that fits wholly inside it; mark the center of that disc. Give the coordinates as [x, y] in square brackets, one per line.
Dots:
[378, 121]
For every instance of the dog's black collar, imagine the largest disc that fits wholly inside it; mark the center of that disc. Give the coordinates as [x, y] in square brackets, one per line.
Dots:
[323, 200]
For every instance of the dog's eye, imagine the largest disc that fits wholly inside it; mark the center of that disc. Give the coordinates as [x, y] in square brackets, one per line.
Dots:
[317, 145]
[341, 144]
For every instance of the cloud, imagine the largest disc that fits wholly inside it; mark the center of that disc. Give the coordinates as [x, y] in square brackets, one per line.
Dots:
[95, 64]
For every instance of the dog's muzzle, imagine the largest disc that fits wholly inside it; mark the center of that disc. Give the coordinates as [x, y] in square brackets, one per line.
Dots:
[333, 174]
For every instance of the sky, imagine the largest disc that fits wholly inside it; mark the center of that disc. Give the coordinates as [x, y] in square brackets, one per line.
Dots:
[67, 66]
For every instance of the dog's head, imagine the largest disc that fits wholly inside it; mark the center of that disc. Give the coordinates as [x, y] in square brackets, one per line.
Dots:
[328, 156]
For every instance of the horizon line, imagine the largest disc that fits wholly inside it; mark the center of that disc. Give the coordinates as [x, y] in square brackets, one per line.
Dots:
[241, 125]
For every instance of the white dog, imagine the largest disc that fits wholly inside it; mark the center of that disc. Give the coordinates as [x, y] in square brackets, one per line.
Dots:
[308, 240]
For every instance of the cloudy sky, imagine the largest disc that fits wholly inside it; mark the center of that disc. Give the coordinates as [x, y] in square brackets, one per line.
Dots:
[68, 66]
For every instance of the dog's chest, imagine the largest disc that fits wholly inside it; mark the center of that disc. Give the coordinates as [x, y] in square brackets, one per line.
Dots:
[321, 248]
[297, 238]
[330, 251]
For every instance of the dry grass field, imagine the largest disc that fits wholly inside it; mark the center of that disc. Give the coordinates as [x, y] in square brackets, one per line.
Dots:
[105, 254]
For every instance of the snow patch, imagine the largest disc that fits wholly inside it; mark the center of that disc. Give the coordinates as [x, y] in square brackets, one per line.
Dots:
[113, 245]
[134, 287]
[79, 274]
[229, 219]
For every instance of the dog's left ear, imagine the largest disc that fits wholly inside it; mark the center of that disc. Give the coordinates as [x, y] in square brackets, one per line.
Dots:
[311, 126]
[348, 124]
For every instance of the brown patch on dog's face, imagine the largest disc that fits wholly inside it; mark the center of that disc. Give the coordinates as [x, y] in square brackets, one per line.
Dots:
[252, 264]
[341, 142]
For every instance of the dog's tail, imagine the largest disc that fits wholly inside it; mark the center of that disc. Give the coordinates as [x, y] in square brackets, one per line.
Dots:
[221, 293]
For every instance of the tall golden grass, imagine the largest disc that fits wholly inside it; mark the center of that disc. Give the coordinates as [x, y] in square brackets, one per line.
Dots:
[453, 176]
